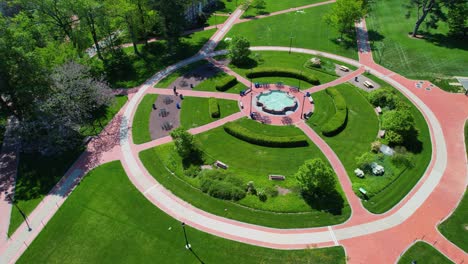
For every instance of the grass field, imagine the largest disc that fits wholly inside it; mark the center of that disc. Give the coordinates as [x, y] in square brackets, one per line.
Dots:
[99, 223]
[209, 85]
[455, 228]
[156, 56]
[215, 20]
[140, 126]
[395, 192]
[166, 82]
[180, 186]
[275, 5]
[306, 30]
[262, 59]
[195, 111]
[421, 252]
[435, 57]
[37, 174]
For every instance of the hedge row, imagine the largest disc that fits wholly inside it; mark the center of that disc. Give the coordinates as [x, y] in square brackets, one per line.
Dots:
[224, 83]
[280, 72]
[338, 122]
[245, 134]
[214, 107]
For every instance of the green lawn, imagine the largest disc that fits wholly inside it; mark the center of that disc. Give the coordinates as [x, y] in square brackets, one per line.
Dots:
[275, 5]
[421, 252]
[455, 228]
[164, 83]
[265, 59]
[195, 111]
[216, 20]
[210, 85]
[227, 6]
[393, 193]
[140, 126]
[37, 174]
[249, 162]
[99, 223]
[435, 58]
[134, 70]
[308, 30]
[361, 129]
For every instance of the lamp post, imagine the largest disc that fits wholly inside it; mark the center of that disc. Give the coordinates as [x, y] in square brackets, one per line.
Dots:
[187, 245]
[302, 110]
[21, 212]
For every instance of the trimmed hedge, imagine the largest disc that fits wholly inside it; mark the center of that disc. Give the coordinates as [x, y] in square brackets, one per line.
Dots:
[221, 185]
[242, 133]
[338, 122]
[224, 83]
[214, 107]
[280, 72]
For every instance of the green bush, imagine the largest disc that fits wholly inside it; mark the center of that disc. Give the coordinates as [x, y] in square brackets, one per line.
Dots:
[242, 133]
[280, 72]
[214, 107]
[271, 191]
[192, 171]
[224, 83]
[262, 196]
[222, 185]
[338, 122]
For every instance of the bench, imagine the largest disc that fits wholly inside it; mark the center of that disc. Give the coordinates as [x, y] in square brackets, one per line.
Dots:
[368, 84]
[308, 115]
[221, 165]
[241, 105]
[363, 191]
[276, 177]
[344, 68]
[311, 100]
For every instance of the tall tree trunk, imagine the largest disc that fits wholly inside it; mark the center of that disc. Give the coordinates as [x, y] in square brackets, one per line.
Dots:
[426, 9]
[92, 27]
[143, 24]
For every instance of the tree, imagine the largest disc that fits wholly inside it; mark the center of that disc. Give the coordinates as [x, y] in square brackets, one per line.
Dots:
[365, 160]
[425, 8]
[400, 121]
[74, 101]
[344, 14]
[239, 50]
[457, 18]
[259, 5]
[316, 178]
[173, 19]
[185, 145]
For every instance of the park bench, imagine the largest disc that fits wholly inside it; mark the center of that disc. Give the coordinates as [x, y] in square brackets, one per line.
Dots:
[308, 115]
[311, 100]
[363, 191]
[344, 68]
[368, 84]
[221, 165]
[241, 105]
[276, 177]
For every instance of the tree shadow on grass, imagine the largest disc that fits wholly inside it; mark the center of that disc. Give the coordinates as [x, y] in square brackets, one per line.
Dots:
[445, 41]
[412, 143]
[249, 63]
[345, 42]
[332, 202]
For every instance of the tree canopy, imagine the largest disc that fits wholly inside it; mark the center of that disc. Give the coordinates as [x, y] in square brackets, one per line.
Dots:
[344, 14]
[239, 50]
[315, 177]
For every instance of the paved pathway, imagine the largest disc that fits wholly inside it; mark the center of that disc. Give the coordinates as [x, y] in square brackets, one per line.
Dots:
[367, 238]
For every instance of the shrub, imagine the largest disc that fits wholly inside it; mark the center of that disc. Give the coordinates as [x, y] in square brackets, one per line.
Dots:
[338, 122]
[251, 188]
[214, 107]
[221, 185]
[271, 191]
[365, 160]
[384, 98]
[224, 83]
[401, 159]
[375, 146]
[242, 133]
[262, 195]
[281, 72]
[192, 171]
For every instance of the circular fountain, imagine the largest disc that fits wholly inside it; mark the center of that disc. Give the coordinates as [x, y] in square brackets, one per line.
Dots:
[276, 102]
